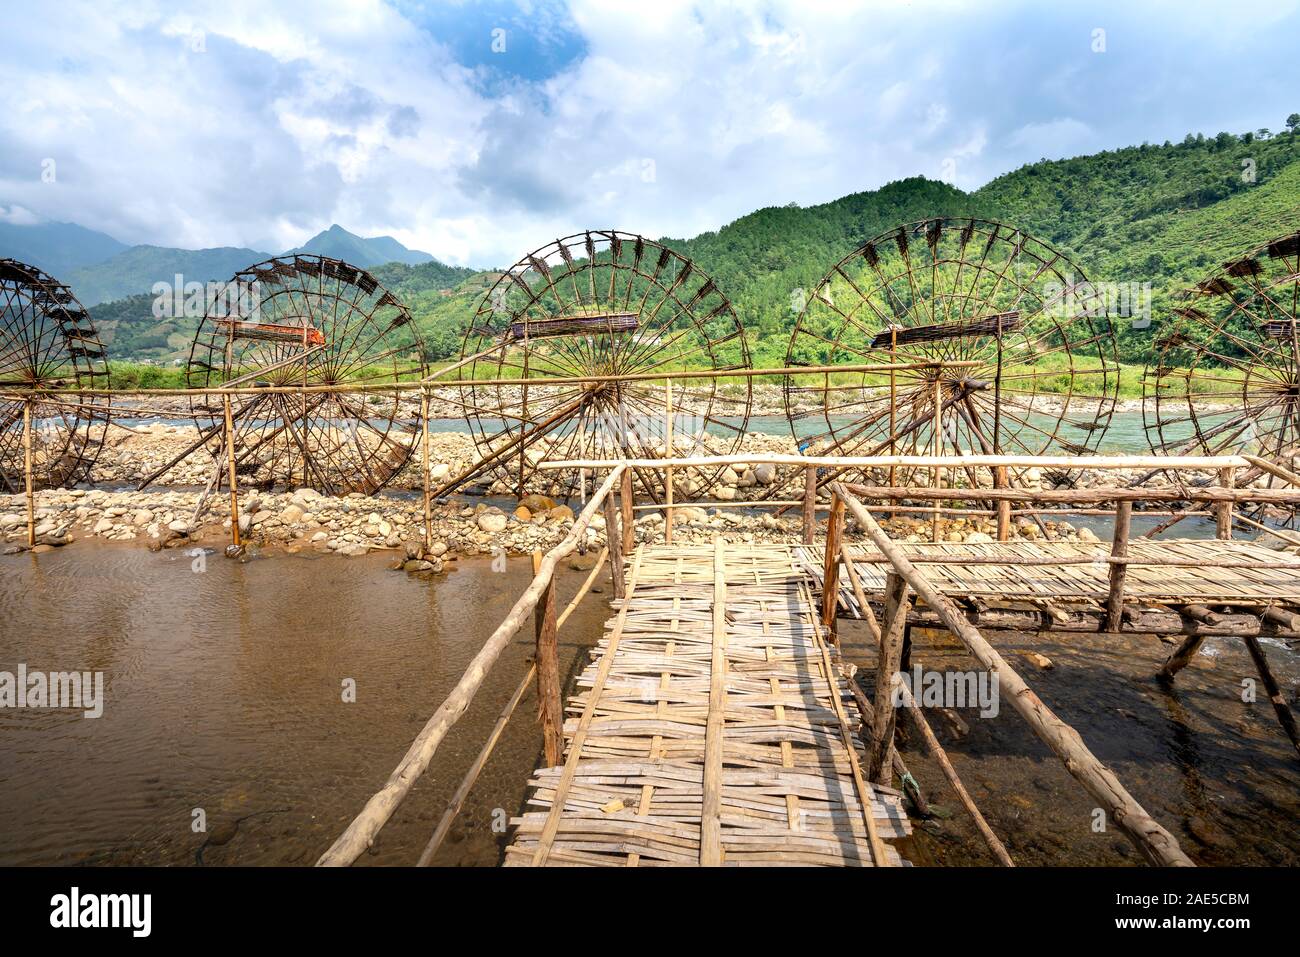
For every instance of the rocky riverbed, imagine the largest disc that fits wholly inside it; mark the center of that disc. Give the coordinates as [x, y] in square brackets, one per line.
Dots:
[176, 512]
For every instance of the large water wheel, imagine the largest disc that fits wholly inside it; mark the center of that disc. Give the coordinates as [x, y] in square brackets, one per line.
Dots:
[1045, 373]
[602, 304]
[1225, 377]
[301, 322]
[48, 344]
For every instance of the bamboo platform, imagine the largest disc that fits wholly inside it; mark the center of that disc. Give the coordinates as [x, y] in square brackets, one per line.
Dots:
[713, 726]
[1036, 571]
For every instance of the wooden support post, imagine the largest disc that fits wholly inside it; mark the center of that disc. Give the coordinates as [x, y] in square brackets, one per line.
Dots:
[428, 498]
[831, 569]
[27, 473]
[550, 710]
[715, 720]
[809, 504]
[1114, 620]
[1003, 506]
[614, 543]
[625, 505]
[1156, 844]
[230, 468]
[1275, 695]
[891, 650]
[1223, 510]
[668, 453]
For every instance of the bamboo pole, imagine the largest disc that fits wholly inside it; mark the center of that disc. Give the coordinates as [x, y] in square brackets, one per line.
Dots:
[457, 802]
[1162, 462]
[891, 653]
[1118, 570]
[937, 472]
[1275, 695]
[230, 467]
[809, 505]
[360, 834]
[428, 498]
[28, 481]
[950, 773]
[550, 707]
[1155, 843]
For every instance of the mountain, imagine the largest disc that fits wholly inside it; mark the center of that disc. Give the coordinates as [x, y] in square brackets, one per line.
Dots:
[139, 267]
[57, 248]
[341, 244]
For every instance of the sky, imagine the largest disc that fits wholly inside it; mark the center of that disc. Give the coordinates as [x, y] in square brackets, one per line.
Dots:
[479, 131]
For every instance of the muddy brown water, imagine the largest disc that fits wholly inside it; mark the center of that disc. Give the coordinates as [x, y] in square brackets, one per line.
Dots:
[224, 693]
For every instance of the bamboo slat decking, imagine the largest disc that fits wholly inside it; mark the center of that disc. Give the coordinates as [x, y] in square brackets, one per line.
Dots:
[712, 726]
[1027, 572]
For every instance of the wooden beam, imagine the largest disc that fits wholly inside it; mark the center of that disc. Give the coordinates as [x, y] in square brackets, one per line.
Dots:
[1003, 506]
[1155, 843]
[625, 505]
[28, 482]
[1223, 510]
[230, 466]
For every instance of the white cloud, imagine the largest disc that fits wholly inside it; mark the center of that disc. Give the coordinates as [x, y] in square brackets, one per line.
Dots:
[306, 112]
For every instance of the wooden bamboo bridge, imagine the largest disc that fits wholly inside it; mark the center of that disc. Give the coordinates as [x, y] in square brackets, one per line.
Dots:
[717, 722]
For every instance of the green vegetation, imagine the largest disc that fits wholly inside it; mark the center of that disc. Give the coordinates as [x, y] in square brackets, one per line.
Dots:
[1165, 215]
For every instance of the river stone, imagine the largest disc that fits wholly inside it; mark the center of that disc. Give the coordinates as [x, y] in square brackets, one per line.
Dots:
[765, 473]
[292, 514]
[724, 493]
[440, 471]
[560, 512]
[1087, 535]
[978, 538]
[385, 528]
[537, 503]
[492, 521]
[523, 514]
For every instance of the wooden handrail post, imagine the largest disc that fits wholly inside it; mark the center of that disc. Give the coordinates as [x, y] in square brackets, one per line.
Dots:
[809, 504]
[625, 504]
[1003, 505]
[831, 569]
[229, 423]
[614, 542]
[1223, 510]
[550, 710]
[668, 452]
[1114, 621]
[28, 480]
[891, 652]
[428, 499]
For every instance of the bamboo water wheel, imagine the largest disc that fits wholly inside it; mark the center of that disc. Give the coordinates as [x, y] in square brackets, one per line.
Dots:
[307, 321]
[948, 290]
[602, 303]
[1225, 378]
[48, 344]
